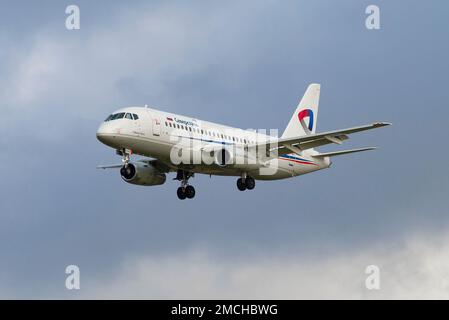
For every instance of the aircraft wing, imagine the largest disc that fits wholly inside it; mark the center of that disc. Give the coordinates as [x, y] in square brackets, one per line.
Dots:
[300, 143]
[110, 166]
[162, 167]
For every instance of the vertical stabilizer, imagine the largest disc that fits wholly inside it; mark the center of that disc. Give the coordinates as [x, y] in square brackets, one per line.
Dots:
[304, 120]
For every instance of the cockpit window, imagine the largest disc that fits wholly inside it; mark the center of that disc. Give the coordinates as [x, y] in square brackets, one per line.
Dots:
[122, 115]
[118, 116]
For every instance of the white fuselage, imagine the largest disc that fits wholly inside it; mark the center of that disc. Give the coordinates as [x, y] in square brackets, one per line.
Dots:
[155, 133]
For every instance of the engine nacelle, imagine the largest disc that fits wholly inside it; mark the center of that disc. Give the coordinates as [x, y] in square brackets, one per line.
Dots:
[142, 174]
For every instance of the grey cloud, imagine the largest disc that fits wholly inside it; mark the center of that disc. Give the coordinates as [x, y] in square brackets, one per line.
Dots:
[415, 269]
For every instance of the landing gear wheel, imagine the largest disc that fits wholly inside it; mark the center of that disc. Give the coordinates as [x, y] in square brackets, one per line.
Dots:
[250, 183]
[185, 190]
[189, 192]
[181, 193]
[241, 184]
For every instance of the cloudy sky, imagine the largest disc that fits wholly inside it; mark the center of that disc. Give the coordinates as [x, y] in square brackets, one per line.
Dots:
[241, 63]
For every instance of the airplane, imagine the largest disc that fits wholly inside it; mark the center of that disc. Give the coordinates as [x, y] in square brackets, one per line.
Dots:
[175, 143]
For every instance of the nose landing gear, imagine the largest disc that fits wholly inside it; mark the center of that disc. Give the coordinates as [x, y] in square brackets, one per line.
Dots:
[185, 190]
[126, 154]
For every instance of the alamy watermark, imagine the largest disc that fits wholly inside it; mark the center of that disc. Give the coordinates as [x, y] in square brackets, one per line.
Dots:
[73, 280]
[73, 20]
[193, 145]
[372, 281]
[372, 21]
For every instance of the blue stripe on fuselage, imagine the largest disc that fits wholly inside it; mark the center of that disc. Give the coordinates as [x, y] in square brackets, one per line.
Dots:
[203, 140]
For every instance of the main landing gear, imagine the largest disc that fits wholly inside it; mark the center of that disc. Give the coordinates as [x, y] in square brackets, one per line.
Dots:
[185, 190]
[246, 183]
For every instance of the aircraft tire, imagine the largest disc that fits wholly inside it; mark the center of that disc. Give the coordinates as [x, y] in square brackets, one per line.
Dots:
[241, 185]
[189, 192]
[250, 183]
[181, 193]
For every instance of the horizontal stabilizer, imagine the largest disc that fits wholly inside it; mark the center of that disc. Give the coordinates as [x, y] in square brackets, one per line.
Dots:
[339, 153]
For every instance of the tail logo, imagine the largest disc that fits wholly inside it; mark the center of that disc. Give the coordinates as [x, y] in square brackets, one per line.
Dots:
[306, 113]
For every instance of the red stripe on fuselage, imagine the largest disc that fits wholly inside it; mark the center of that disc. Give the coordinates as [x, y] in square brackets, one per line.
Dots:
[297, 161]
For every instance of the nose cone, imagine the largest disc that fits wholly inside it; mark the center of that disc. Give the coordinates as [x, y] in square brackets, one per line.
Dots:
[105, 133]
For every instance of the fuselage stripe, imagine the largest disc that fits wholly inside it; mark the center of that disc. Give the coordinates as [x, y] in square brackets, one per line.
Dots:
[297, 161]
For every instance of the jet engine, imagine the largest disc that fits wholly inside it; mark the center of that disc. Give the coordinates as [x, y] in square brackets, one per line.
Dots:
[142, 174]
